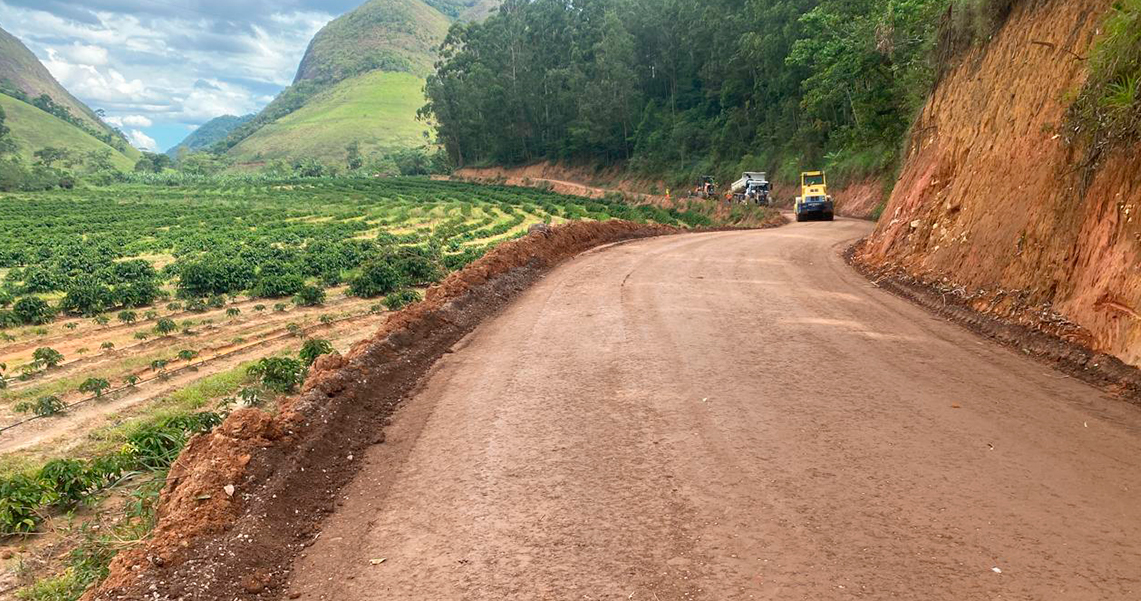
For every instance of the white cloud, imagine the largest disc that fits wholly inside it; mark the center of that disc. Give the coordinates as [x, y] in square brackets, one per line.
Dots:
[102, 85]
[83, 54]
[129, 121]
[212, 98]
[149, 60]
[141, 141]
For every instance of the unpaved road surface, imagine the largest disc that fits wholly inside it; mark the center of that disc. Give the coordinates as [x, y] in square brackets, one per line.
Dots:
[737, 416]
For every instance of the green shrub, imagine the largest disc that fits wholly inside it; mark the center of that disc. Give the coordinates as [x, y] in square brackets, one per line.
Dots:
[94, 386]
[165, 327]
[156, 446]
[20, 499]
[45, 406]
[280, 374]
[417, 265]
[46, 357]
[87, 298]
[377, 278]
[310, 296]
[403, 298]
[213, 275]
[32, 310]
[69, 481]
[314, 348]
[278, 286]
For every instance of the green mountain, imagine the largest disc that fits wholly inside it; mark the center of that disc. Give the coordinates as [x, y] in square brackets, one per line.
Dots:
[33, 129]
[361, 80]
[209, 134]
[63, 121]
[23, 72]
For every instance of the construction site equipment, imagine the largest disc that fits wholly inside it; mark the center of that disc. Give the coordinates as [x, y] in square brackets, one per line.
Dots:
[753, 187]
[814, 201]
[706, 187]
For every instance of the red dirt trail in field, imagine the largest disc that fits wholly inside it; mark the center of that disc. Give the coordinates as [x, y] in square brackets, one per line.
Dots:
[737, 415]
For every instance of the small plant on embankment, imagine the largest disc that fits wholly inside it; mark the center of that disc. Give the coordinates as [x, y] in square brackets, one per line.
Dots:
[279, 374]
[1107, 111]
[403, 298]
[314, 348]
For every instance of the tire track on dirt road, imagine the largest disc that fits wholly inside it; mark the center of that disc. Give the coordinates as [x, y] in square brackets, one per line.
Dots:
[737, 415]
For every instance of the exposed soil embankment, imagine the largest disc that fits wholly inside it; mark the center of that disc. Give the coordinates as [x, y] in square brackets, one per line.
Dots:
[575, 181]
[992, 201]
[242, 501]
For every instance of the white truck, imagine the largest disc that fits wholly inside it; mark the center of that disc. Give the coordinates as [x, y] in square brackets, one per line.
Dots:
[753, 187]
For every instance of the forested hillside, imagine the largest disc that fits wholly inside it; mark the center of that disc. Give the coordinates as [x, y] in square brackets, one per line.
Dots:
[689, 86]
[208, 134]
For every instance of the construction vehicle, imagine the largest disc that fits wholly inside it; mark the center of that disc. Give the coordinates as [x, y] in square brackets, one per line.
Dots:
[814, 201]
[753, 187]
[706, 187]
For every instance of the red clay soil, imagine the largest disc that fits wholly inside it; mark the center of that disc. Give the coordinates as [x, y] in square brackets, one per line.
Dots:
[859, 198]
[565, 179]
[993, 201]
[242, 501]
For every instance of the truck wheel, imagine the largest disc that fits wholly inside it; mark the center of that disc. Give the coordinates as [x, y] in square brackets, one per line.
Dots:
[799, 218]
[829, 217]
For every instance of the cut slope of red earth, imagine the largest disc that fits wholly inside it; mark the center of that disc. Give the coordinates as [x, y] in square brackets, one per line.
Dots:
[991, 204]
[242, 501]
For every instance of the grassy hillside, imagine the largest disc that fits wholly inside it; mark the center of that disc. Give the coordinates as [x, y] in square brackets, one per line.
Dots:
[380, 36]
[477, 10]
[376, 109]
[390, 35]
[33, 129]
[25, 72]
[209, 133]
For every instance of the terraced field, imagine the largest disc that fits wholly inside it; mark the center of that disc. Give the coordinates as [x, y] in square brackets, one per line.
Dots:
[132, 316]
[143, 285]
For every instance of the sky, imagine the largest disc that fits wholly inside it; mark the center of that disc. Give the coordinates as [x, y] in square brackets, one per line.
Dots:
[161, 68]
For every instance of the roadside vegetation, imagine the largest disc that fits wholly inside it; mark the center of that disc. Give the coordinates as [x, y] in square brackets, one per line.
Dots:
[678, 88]
[137, 314]
[1106, 114]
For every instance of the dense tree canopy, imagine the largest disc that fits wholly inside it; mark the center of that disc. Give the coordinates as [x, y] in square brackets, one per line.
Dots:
[686, 85]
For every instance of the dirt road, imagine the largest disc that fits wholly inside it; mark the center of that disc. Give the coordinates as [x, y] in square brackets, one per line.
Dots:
[737, 416]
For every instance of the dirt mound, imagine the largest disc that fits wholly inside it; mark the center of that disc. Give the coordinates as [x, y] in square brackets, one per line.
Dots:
[992, 200]
[242, 501]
